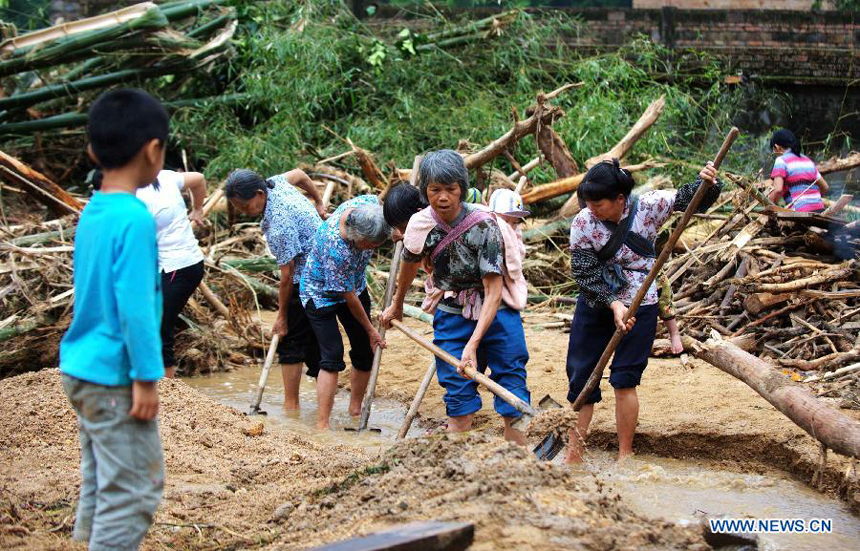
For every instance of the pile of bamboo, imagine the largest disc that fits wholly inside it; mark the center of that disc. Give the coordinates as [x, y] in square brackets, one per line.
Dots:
[50, 75]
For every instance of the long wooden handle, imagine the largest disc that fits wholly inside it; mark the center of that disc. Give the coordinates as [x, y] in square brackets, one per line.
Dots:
[264, 375]
[377, 354]
[594, 379]
[416, 402]
[473, 373]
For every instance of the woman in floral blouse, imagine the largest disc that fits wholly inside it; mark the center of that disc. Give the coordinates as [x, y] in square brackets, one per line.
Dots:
[334, 288]
[289, 222]
[607, 287]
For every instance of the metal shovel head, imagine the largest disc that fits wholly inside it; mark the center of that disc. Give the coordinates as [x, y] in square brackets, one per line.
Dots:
[522, 422]
[255, 410]
[549, 447]
[548, 403]
[356, 429]
[551, 443]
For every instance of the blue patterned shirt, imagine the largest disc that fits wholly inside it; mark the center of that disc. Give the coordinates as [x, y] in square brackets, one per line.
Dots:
[290, 222]
[334, 266]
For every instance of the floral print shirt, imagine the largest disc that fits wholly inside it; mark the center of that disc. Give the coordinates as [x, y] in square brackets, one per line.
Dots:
[335, 266]
[588, 235]
[289, 223]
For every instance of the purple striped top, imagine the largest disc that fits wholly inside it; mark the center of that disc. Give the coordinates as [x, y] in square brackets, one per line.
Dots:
[798, 173]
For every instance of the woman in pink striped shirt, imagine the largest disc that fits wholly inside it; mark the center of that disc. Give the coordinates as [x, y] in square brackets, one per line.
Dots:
[795, 177]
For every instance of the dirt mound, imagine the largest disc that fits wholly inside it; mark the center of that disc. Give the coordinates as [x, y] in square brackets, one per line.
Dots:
[515, 501]
[215, 468]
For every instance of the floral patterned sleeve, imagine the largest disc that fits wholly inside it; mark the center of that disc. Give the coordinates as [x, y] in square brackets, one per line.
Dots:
[585, 266]
[685, 194]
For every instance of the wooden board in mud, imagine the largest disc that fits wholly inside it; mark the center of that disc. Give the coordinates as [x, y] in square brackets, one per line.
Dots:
[418, 536]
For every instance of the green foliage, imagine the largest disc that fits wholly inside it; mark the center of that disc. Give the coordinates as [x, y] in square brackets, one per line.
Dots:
[311, 66]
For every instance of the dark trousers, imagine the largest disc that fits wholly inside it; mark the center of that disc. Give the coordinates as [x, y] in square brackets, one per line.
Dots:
[324, 323]
[176, 288]
[590, 332]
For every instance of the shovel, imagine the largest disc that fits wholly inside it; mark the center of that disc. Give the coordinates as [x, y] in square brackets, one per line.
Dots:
[264, 376]
[377, 354]
[594, 379]
[528, 412]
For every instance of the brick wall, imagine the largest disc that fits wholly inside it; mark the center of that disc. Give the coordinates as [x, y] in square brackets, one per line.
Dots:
[791, 46]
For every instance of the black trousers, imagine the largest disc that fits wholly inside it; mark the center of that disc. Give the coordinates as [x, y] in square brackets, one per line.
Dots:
[176, 288]
[324, 323]
[300, 344]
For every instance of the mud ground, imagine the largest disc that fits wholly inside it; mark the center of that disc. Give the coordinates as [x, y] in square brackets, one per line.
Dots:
[231, 487]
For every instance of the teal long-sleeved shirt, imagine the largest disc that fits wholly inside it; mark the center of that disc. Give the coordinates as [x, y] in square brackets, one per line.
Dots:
[114, 336]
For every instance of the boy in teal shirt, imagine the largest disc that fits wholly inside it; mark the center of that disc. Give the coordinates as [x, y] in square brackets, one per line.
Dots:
[110, 357]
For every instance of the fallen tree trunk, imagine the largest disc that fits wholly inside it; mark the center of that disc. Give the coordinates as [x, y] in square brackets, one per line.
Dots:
[40, 186]
[545, 116]
[568, 185]
[821, 421]
[555, 150]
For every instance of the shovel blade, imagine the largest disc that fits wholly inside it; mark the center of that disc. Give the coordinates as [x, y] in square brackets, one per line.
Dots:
[549, 447]
[547, 402]
[257, 411]
[354, 429]
[522, 422]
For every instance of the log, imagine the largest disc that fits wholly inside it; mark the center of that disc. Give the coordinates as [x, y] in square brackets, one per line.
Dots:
[756, 303]
[526, 168]
[646, 120]
[369, 168]
[544, 116]
[568, 185]
[821, 421]
[214, 300]
[418, 536]
[837, 274]
[41, 187]
[46, 237]
[555, 150]
[835, 208]
[836, 164]
[830, 360]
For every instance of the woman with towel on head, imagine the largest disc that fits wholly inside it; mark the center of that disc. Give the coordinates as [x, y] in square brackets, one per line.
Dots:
[334, 288]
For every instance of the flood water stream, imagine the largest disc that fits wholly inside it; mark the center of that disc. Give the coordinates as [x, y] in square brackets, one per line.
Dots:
[681, 491]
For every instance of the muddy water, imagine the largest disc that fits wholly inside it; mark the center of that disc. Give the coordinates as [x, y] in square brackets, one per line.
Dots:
[235, 389]
[678, 491]
[685, 491]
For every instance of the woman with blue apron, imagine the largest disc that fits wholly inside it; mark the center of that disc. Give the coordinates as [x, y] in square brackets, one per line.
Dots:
[612, 251]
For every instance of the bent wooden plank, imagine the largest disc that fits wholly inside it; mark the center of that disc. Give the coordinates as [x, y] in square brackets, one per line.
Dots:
[418, 536]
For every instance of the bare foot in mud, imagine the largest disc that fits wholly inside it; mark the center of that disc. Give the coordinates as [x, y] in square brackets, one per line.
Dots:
[625, 456]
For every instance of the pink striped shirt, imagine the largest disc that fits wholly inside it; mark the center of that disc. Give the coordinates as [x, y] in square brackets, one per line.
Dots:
[798, 173]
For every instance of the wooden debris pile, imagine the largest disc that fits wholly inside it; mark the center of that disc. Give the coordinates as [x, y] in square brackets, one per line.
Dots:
[784, 286]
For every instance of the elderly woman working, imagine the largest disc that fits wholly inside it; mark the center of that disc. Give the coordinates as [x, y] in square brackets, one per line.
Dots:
[467, 249]
[333, 287]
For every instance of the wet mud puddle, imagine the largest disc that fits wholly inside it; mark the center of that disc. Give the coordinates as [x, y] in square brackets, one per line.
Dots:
[681, 491]
[685, 491]
[236, 388]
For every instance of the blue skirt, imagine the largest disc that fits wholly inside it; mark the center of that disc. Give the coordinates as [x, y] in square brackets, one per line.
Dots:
[590, 332]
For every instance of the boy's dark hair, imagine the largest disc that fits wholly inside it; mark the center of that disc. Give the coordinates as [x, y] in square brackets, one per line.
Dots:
[786, 138]
[96, 175]
[244, 184]
[402, 201]
[121, 122]
[605, 180]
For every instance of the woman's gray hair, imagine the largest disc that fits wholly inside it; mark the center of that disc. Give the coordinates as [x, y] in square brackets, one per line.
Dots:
[367, 223]
[444, 167]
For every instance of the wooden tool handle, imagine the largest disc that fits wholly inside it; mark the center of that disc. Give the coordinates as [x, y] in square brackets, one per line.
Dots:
[594, 379]
[473, 373]
[727, 144]
[264, 375]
